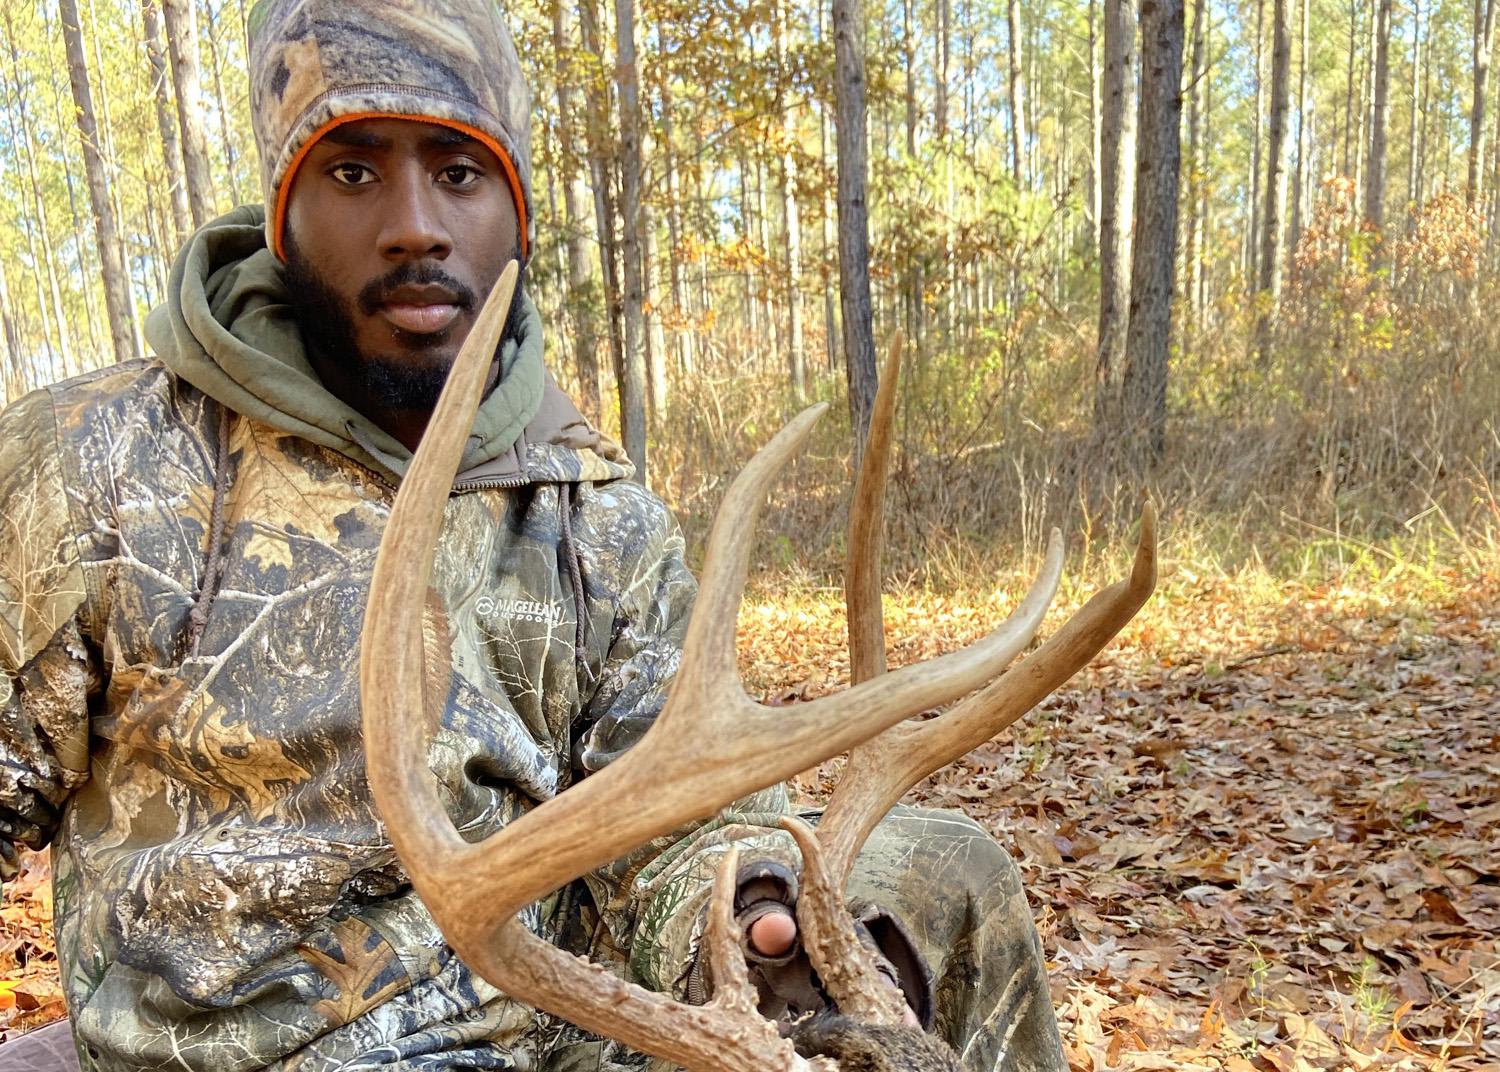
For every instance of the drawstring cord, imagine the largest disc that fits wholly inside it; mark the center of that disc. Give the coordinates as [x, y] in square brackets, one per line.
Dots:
[213, 572]
[574, 565]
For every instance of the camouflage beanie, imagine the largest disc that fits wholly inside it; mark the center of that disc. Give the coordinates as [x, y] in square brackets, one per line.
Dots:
[317, 64]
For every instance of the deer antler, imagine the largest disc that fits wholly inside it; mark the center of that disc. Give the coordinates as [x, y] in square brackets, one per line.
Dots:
[711, 744]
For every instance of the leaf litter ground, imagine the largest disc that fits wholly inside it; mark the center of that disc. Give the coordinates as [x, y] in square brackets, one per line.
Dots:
[1258, 834]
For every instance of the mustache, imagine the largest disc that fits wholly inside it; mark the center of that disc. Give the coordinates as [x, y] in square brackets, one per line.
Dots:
[373, 294]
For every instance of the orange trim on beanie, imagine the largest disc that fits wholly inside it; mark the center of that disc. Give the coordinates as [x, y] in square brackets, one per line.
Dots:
[279, 217]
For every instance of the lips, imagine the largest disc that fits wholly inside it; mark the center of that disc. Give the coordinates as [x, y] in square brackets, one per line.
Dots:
[421, 310]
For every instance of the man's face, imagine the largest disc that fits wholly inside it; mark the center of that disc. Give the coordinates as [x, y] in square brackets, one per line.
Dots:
[396, 231]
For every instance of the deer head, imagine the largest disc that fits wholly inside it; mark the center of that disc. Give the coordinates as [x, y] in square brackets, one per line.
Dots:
[710, 745]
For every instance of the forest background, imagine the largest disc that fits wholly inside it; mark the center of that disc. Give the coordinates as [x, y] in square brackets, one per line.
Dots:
[1241, 253]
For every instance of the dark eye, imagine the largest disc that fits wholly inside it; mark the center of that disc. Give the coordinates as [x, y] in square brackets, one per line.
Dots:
[459, 175]
[351, 174]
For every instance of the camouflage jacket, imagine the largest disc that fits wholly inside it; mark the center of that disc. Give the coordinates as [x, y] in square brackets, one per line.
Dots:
[226, 897]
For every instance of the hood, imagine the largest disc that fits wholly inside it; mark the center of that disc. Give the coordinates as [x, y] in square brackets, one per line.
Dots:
[227, 329]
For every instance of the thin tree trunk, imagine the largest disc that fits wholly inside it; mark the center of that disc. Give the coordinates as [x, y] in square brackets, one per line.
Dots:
[658, 387]
[1155, 254]
[633, 384]
[942, 18]
[111, 257]
[1252, 236]
[1095, 155]
[682, 339]
[601, 144]
[1484, 39]
[1197, 158]
[1117, 175]
[81, 246]
[106, 130]
[1304, 143]
[792, 222]
[1275, 214]
[166, 124]
[854, 227]
[181, 19]
[752, 303]
[1425, 111]
[826, 210]
[1416, 105]
[230, 156]
[1018, 143]
[1366, 92]
[1379, 118]
[582, 296]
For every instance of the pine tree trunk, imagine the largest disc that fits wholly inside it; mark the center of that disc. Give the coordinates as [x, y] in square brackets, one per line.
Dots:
[854, 226]
[633, 383]
[1346, 167]
[1425, 111]
[181, 19]
[1095, 154]
[942, 17]
[601, 144]
[1412, 196]
[231, 157]
[658, 387]
[1155, 254]
[1484, 39]
[1366, 92]
[582, 299]
[682, 338]
[747, 277]
[1275, 214]
[1018, 144]
[792, 222]
[1304, 144]
[1379, 118]
[166, 124]
[1252, 236]
[117, 301]
[1197, 156]
[1117, 184]
[827, 209]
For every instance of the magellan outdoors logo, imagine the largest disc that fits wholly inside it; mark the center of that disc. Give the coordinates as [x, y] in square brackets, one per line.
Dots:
[519, 610]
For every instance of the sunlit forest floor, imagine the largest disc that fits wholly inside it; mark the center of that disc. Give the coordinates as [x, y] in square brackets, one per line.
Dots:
[1262, 832]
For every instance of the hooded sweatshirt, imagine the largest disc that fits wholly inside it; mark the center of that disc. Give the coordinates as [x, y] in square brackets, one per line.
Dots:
[182, 586]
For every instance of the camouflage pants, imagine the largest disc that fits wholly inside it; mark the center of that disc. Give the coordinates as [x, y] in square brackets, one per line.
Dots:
[960, 898]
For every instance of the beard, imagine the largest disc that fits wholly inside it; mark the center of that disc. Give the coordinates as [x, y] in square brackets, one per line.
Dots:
[400, 379]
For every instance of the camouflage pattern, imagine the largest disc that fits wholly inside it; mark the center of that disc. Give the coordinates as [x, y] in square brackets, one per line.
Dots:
[316, 62]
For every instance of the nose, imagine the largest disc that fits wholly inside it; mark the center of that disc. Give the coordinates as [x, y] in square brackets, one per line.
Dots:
[412, 226]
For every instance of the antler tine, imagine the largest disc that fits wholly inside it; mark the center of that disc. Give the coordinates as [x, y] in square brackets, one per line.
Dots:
[844, 966]
[841, 960]
[880, 772]
[867, 530]
[391, 685]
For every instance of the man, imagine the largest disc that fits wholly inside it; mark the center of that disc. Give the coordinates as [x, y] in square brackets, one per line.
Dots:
[183, 568]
